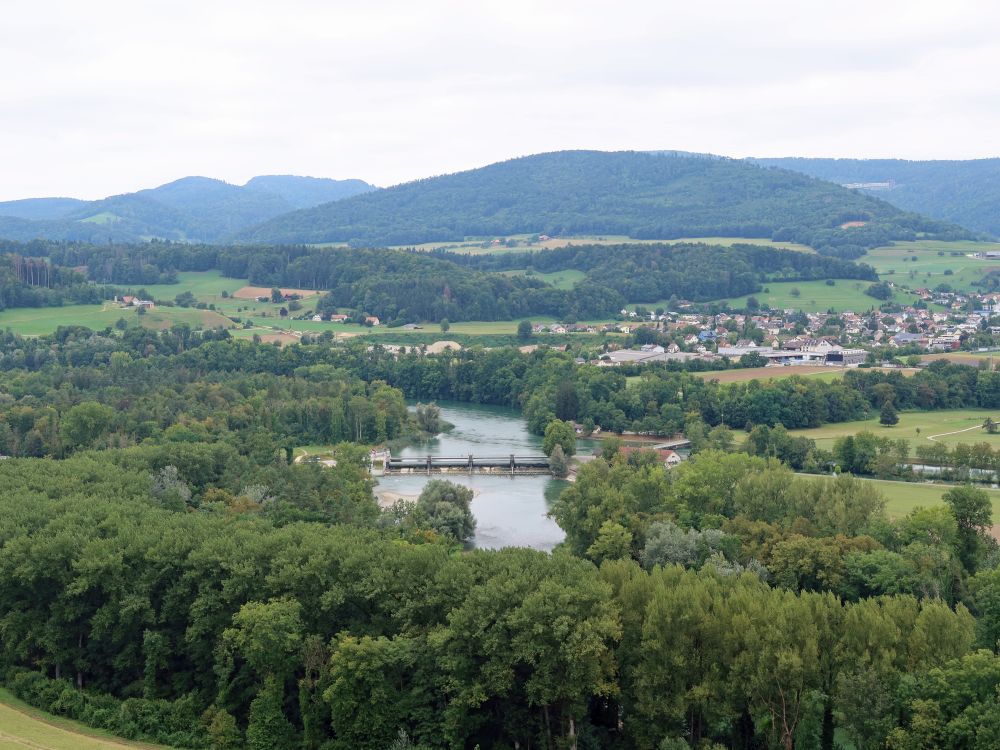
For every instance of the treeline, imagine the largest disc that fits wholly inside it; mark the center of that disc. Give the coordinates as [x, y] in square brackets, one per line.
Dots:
[37, 282]
[650, 273]
[403, 286]
[208, 630]
[545, 384]
[120, 399]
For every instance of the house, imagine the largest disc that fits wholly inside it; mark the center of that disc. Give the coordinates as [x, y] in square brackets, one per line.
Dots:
[147, 303]
[668, 457]
[317, 318]
[128, 300]
[338, 318]
[372, 320]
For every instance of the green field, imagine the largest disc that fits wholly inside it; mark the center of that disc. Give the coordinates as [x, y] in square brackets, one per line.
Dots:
[933, 259]
[24, 727]
[902, 497]
[34, 321]
[207, 286]
[814, 296]
[928, 422]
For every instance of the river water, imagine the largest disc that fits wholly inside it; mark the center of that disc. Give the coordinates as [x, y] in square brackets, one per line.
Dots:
[509, 511]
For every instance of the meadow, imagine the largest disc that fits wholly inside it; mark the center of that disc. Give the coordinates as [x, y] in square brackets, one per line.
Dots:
[933, 259]
[22, 726]
[813, 296]
[915, 426]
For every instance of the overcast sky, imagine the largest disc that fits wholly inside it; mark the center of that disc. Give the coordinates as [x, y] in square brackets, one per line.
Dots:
[102, 97]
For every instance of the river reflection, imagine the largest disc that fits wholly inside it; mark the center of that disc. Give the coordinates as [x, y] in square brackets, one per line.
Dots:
[510, 511]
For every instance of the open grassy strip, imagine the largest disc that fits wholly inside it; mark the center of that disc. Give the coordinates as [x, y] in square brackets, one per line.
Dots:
[22, 726]
[915, 426]
[474, 246]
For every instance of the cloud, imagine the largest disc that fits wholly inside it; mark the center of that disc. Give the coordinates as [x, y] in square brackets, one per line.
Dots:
[106, 97]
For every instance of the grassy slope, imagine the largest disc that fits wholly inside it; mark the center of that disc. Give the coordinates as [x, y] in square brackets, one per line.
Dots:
[33, 321]
[22, 726]
[814, 296]
[929, 423]
[928, 270]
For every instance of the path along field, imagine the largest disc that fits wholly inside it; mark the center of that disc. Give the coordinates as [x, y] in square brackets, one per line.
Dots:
[25, 728]
[948, 426]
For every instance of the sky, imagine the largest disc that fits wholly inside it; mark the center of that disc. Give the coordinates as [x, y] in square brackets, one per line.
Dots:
[106, 97]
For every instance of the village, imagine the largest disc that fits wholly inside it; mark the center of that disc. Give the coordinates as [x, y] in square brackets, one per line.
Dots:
[937, 322]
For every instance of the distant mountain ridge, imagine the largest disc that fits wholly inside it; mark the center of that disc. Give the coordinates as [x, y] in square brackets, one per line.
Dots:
[189, 209]
[964, 192]
[643, 195]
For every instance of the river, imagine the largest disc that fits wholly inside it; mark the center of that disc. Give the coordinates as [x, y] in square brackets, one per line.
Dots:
[509, 511]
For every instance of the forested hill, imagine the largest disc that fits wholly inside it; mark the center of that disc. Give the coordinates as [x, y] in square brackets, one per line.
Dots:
[189, 209]
[963, 192]
[642, 195]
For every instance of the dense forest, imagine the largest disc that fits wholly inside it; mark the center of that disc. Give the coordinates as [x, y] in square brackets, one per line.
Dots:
[166, 573]
[640, 195]
[961, 192]
[190, 209]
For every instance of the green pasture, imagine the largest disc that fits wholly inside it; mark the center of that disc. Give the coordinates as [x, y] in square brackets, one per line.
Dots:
[206, 286]
[895, 263]
[927, 422]
[813, 296]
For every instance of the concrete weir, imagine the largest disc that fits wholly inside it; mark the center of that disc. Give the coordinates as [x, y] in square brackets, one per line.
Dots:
[500, 465]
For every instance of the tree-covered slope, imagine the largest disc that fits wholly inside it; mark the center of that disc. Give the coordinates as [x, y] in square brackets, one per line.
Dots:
[40, 208]
[591, 192]
[963, 192]
[189, 209]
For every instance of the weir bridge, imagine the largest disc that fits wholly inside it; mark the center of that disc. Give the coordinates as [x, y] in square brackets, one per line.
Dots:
[510, 465]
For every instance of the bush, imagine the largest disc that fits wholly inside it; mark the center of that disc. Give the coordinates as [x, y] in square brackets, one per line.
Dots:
[168, 722]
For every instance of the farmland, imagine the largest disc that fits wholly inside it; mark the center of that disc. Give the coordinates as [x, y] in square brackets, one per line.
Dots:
[915, 426]
[24, 727]
[933, 260]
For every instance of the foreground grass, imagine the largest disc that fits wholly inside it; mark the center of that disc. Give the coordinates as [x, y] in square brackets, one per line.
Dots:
[22, 726]
[915, 426]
